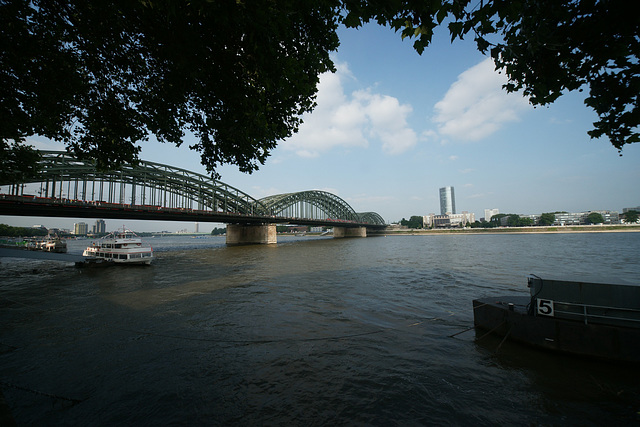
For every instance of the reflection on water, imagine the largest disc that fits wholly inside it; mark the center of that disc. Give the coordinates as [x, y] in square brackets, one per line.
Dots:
[319, 331]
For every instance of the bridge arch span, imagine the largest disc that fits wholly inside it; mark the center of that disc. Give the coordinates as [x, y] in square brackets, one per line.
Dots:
[316, 204]
[155, 189]
[371, 218]
[63, 176]
[313, 204]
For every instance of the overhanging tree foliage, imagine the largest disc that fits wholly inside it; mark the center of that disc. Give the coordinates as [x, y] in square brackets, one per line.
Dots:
[102, 76]
[548, 47]
[18, 164]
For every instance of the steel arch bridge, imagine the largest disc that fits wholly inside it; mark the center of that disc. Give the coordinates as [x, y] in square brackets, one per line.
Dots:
[155, 187]
[310, 204]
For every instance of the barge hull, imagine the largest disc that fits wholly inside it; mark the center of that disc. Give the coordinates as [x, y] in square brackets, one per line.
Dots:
[567, 336]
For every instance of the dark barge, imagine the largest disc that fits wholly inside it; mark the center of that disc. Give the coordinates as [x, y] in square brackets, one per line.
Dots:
[597, 320]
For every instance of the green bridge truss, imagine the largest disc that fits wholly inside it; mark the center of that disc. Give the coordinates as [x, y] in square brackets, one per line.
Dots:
[317, 204]
[63, 176]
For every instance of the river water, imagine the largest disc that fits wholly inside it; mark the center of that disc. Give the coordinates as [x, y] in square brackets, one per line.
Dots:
[311, 331]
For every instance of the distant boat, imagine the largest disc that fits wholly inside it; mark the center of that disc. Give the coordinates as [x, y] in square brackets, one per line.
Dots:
[598, 320]
[54, 244]
[121, 246]
[50, 244]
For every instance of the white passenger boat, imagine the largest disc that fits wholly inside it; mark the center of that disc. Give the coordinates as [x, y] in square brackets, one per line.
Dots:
[50, 244]
[54, 244]
[121, 246]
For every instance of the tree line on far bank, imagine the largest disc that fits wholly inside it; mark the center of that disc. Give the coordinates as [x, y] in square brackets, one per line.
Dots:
[9, 231]
[515, 220]
[218, 231]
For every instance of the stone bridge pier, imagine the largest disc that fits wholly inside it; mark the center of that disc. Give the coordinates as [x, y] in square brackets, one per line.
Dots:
[250, 234]
[265, 234]
[340, 232]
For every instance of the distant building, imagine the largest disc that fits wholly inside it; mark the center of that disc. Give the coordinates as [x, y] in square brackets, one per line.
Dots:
[99, 227]
[427, 220]
[625, 210]
[462, 219]
[488, 213]
[451, 220]
[447, 201]
[441, 221]
[296, 228]
[610, 217]
[535, 219]
[570, 218]
[580, 218]
[80, 229]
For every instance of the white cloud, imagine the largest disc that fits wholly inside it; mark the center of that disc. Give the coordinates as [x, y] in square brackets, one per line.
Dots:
[475, 106]
[388, 121]
[352, 121]
[428, 134]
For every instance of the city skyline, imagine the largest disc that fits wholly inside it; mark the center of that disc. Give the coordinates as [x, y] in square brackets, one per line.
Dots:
[199, 227]
[391, 127]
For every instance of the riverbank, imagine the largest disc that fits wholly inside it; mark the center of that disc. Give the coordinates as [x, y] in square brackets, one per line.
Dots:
[514, 230]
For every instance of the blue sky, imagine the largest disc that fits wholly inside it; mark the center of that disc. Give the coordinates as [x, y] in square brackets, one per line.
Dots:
[392, 127]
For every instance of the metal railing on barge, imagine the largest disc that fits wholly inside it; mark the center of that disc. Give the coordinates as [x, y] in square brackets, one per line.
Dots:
[589, 302]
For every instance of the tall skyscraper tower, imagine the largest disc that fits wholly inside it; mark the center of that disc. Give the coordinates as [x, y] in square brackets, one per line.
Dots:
[80, 228]
[447, 201]
[99, 227]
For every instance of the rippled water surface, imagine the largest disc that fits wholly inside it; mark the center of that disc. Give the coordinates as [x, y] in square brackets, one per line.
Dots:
[312, 331]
